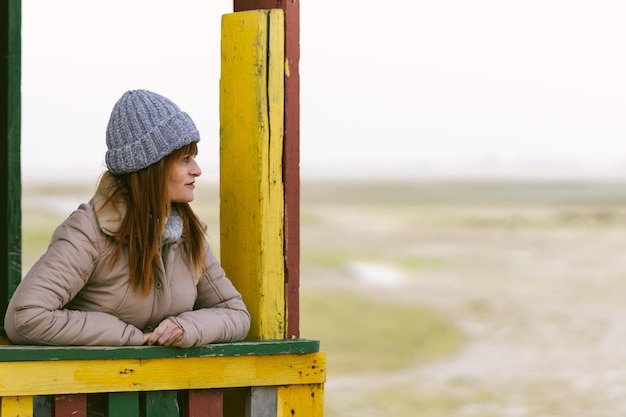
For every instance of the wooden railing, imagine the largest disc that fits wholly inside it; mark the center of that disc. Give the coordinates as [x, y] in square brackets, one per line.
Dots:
[267, 378]
[259, 250]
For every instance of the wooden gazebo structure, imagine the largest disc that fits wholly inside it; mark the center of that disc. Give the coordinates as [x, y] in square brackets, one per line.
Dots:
[274, 372]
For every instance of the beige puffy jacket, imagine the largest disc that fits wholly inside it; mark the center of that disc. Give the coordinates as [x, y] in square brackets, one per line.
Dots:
[73, 295]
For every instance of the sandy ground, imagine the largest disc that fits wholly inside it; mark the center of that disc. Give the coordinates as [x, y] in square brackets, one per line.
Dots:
[539, 289]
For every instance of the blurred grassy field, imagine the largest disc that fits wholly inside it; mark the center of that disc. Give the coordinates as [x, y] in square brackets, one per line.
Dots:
[447, 298]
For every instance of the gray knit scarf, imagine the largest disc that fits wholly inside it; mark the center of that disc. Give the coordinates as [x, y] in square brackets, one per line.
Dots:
[173, 227]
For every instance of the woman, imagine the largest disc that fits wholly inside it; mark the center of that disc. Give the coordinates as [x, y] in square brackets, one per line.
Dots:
[132, 266]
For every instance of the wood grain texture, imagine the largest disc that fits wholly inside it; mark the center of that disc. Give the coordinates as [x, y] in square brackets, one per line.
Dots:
[251, 187]
[161, 404]
[123, 404]
[204, 403]
[301, 401]
[91, 376]
[14, 353]
[16, 406]
[70, 405]
[261, 402]
[291, 151]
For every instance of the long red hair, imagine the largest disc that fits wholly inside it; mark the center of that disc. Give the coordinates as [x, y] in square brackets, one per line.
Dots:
[148, 207]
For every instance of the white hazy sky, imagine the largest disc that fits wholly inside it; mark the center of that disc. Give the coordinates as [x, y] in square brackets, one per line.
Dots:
[415, 87]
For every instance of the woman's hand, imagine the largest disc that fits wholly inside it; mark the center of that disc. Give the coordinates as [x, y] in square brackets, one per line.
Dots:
[167, 333]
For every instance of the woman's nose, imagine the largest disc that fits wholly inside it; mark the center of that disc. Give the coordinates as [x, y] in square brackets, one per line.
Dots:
[196, 171]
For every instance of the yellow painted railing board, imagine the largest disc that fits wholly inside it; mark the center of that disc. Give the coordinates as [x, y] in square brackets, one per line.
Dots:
[14, 406]
[87, 376]
[251, 187]
[301, 401]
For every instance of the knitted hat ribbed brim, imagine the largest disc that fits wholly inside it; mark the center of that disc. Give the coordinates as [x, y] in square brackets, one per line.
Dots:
[143, 128]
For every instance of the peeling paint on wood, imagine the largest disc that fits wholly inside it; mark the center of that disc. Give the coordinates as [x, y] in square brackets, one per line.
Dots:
[251, 186]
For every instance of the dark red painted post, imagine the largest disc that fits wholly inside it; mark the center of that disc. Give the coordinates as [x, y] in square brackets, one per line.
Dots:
[70, 405]
[204, 403]
[291, 152]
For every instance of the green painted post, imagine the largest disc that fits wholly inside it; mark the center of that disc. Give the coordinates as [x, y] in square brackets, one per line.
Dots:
[10, 178]
[123, 404]
[161, 404]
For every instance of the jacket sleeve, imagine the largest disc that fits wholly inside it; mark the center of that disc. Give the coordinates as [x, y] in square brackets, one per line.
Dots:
[219, 314]
[36, 314]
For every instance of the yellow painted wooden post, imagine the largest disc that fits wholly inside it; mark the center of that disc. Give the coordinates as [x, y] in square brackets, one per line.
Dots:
[251, 187]
[21, 406]
[301, 400]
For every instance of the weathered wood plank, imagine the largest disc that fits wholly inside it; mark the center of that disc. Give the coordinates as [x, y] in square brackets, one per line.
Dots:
[91, 376]
[301, 401]
[251, 187]
[291, 151]
[123, 404]
[16, 406]
[70, 405]
[10, 127]
[204, 403]
[9, 353]
[261, 402]
[161, 404]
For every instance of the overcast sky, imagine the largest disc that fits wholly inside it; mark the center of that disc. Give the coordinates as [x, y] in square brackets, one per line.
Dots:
[415, 87]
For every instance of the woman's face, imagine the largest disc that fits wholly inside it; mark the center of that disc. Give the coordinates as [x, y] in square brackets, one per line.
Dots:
[182, 179]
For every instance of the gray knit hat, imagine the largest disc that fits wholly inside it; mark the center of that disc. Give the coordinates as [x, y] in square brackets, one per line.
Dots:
[143, 128]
